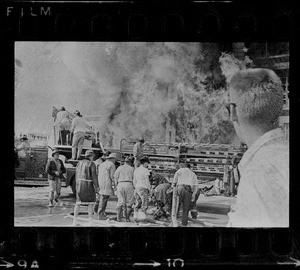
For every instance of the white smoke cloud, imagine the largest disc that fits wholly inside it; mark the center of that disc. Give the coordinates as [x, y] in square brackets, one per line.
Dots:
[133, 86]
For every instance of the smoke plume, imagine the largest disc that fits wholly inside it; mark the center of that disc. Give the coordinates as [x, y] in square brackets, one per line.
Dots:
[134, 87]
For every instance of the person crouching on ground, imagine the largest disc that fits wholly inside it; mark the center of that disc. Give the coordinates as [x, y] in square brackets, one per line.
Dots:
[142, 187]
[124, 182]
[106, 172]
[86, 185]
[186, 181]
[55, 169]
[161, 197]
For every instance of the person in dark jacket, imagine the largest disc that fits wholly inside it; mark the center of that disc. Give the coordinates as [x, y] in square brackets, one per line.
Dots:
[55, 169]
[86, 185]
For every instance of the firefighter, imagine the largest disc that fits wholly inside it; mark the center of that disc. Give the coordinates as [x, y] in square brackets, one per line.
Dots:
[97, 163]
[78, 129]
[138, 152]
[160, 196]
[101, 160]
[86, 185]
[186, 181]
[142, 187]
[63, 123]
[124, 182]
[106, 172]
[55, 169]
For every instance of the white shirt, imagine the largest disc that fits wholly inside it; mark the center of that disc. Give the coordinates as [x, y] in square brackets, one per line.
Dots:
[184, 176]
[62, 120]
[141, 178]
[78, 125]
[124, 173]
[263, 193]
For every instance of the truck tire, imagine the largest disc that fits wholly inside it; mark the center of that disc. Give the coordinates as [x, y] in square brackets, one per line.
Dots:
[73, 185]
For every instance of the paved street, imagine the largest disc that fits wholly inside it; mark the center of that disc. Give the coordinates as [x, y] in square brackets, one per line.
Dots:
[31, 209]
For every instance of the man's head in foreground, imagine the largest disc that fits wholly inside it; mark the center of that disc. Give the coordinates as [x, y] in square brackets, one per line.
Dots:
[256, 100]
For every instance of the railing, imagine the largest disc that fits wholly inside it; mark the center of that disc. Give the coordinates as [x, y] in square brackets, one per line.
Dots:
[206, 160]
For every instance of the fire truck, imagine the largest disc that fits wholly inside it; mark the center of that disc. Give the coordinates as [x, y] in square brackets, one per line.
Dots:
[164, 157]
[206, 160]
[31, 170]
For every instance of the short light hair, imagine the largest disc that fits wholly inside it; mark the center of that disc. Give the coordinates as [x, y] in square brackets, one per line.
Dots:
[259, 95]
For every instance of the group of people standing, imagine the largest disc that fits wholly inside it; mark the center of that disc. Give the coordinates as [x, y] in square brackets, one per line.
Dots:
[71, 130]
[134, 184]
[97, 180]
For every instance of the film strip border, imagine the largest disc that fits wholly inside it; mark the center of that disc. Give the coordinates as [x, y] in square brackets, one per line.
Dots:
[54, 247]
[130, 20]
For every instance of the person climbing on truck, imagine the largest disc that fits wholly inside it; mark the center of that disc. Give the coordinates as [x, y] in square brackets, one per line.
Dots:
[78, 129]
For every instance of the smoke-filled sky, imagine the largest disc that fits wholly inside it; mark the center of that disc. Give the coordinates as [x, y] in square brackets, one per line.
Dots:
[133, 86]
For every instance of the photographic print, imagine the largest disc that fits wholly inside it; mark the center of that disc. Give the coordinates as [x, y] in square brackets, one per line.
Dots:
[151, 134]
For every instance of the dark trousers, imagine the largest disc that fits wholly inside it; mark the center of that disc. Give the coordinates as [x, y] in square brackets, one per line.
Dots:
[103, 203]
[194, 203]
[185, 197]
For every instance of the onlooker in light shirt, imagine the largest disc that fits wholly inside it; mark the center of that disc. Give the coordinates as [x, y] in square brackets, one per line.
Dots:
[141, 178]
[124, 182]
[142, 186]
[106, 172]
[256, 98]
[187, 184]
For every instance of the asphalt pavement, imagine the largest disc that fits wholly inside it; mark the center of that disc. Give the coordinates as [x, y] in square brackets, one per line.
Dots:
[31, 209]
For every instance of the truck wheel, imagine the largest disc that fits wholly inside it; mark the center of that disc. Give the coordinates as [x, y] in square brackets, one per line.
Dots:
[73, 185]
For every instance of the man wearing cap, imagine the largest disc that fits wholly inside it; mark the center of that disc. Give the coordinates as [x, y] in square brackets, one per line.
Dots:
[78, 128]
[138, 152]
[55, 169]
[123, 177]
[100, 160]
[86, 185]
[142, 186]
[106, 172]
[63, 123]
[186, 181]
